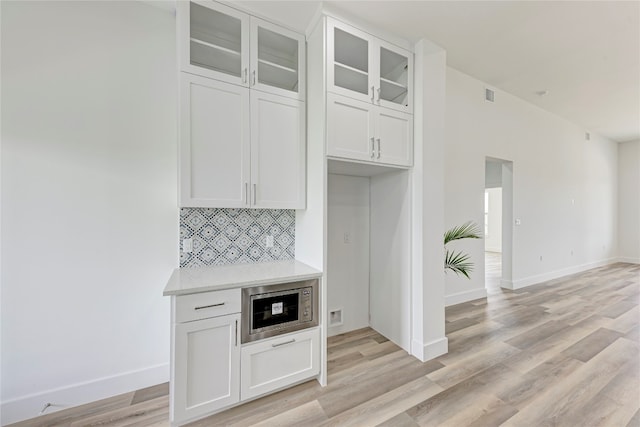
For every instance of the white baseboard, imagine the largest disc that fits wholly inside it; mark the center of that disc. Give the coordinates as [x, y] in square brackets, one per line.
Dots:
[507, 284]
[465, 296]
[29, 406]
[430, 350]
[539, 278]
[628, 260]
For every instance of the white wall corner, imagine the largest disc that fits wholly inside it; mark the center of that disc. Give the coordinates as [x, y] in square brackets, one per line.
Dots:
[430, 350]
[466, 296]
[30, 406]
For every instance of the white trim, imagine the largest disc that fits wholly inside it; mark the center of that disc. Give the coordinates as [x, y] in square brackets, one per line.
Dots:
[534, 280]
[430, 350]
[493, 249]
[29, 406]
[465, 296]
[506, 284]
[628, 260]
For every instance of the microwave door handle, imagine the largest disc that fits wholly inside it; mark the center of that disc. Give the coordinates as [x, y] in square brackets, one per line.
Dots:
[284, 343]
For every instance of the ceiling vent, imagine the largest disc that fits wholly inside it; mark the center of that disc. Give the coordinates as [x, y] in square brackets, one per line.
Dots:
[489, 95]
[587, 136]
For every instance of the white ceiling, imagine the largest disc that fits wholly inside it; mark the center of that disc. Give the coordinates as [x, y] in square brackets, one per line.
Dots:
[586, 55]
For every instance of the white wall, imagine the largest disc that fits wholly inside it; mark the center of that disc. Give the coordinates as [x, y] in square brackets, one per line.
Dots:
[89, 206]
[348, 256]
[390, 277]
[493, 240]
[629, 201]
[427, 203]
[564, 187]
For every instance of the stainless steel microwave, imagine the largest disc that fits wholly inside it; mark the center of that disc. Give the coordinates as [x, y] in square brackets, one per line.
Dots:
[272, 310]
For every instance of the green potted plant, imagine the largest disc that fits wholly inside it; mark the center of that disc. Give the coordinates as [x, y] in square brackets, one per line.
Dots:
[459, 262]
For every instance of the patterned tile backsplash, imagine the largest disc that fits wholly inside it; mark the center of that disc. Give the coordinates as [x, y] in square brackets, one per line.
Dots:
[236, 236]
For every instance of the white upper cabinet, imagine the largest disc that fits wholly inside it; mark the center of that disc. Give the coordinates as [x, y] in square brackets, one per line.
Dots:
[222, 43]
[364, 132]
[240, 148]
[363, 67]
[242, 110]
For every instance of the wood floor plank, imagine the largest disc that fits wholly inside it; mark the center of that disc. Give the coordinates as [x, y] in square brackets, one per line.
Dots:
[592, 344]
[386, 406]
[559, 405]
[308, 414]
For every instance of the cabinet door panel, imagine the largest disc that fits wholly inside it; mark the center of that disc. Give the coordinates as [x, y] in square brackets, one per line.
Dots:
[394, 87]
[207, 355]
[213, 41]
[394, 137]
[349, 128]
[350, 62]
[275, 363]
[277, 152]
[277, 59]
[214, 143]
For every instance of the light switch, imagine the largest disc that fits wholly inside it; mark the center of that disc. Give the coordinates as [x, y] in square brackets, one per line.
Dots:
[518, 221]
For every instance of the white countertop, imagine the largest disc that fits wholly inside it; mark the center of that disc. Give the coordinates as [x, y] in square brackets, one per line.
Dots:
[185, 281]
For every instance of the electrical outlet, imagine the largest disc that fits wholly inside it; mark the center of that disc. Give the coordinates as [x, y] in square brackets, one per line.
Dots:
[269, 242]
[187, 245]
[518, 221]
[347, 237]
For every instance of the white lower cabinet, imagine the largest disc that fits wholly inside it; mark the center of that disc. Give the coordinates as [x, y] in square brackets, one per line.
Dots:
[211, 370]
[274, 363]
[206, 367]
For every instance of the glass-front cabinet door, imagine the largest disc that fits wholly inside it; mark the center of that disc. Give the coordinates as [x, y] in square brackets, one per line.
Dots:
[350, 62]
[222, 43]
[395, 74]
[214, 41]
[368, 69]
[277, 60]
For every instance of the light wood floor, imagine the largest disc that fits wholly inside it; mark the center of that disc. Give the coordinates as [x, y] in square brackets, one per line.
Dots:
[562, 353]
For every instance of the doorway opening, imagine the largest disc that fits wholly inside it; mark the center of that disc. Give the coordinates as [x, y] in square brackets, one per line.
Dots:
[498, 232]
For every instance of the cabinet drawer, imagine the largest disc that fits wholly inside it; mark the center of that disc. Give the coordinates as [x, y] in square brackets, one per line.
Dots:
[207, 304]
[279, 362]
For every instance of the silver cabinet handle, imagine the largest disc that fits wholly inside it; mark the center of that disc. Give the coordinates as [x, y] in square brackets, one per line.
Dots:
[236, 333]
[254, 78]
[244, 79]
[378, 96]
[373, 148]
[284, 343]
[246, 193]
[209, 306]
[255, 190]
[373, 93]
[379, 149]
